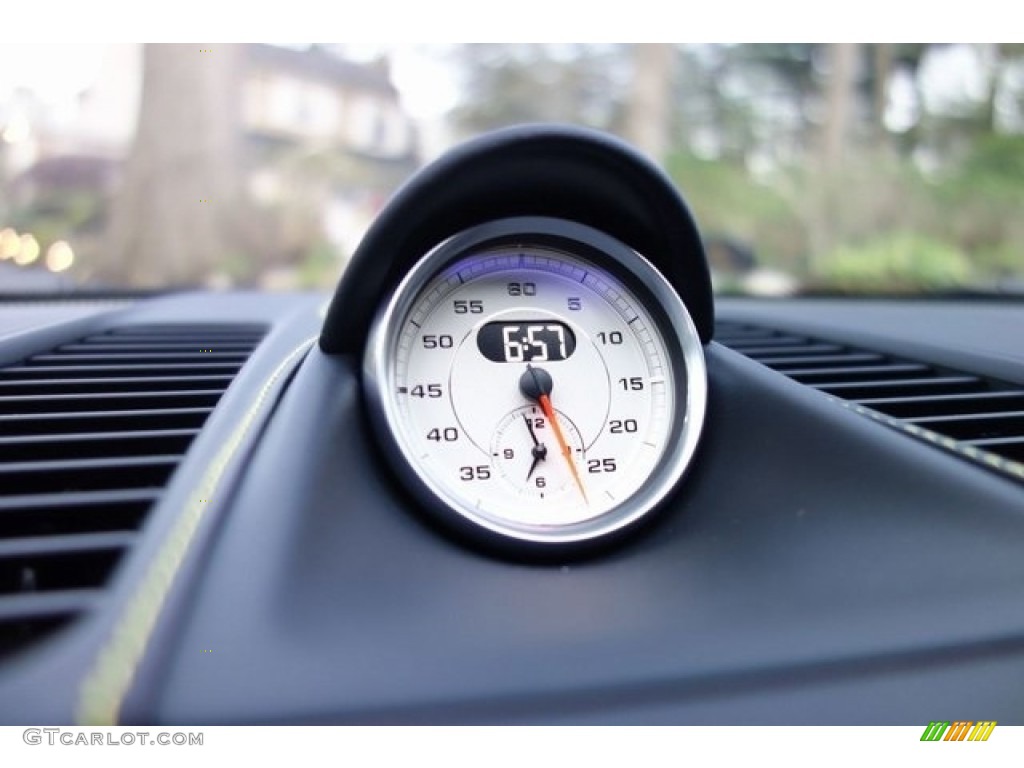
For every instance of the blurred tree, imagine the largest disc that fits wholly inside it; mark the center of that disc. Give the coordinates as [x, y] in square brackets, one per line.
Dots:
[840, 92]
[506, 84]
[908, 62]
[781, 83]
[649, 101]
[752, 104]
[179, 213]
[865, 163]
[875, 88]
[707, 118]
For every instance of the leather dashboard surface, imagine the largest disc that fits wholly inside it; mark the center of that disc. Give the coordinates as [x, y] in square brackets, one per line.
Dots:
[814, 567]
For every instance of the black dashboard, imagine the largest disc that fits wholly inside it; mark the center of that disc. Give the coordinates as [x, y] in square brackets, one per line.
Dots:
[813, 567]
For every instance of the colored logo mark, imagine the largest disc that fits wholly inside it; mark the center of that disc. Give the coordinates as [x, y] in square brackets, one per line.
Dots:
[959, 730]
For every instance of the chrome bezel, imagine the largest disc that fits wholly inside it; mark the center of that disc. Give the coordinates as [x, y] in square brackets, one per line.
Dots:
[648, 286]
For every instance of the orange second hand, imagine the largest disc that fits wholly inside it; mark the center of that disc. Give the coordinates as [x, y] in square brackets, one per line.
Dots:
[549, 411]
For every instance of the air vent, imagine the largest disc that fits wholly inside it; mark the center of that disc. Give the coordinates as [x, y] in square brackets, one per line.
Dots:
[90, 432]
[978, 417]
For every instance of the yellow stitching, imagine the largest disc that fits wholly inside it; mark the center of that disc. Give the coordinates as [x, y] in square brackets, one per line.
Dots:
[104, 688]
[978, 455]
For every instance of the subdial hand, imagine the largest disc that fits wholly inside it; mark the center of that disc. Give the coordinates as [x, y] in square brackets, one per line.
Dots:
[539, 450]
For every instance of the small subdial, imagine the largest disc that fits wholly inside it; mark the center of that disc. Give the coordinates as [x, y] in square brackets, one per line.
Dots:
[525, 451]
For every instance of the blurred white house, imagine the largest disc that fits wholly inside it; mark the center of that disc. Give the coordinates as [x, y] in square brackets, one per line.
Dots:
[302, 109]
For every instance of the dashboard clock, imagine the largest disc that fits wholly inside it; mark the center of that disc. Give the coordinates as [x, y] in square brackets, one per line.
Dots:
[536, 382]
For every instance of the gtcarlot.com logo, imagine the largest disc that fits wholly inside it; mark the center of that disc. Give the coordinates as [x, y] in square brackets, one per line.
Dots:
[75, 738]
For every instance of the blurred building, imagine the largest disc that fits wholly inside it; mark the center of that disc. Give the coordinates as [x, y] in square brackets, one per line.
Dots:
[324, 132]
[313, 95]
[326, 140]
[76, 140]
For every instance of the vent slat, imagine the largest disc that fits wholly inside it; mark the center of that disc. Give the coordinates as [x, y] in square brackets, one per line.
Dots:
[183, 338]
[946, 405]
[811, 351]
[127, 384]
[729, 335]
[199, 329]
[108, 371]
[156, 346]
[20, 478]
[784, 343]
[256, 330]
[64, 545]
[47, 514]
[95, 445]
[71, 501]
[47, 604]
[983, 414]
[884, 388]
[117, 359]
[96, 421]
[976, 426]
[192, 341]
[818, 361]
[856, 373]
[171, 337]
[90, 433]
[95, 401]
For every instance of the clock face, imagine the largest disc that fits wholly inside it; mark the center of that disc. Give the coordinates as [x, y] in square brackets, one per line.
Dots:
[538, 389]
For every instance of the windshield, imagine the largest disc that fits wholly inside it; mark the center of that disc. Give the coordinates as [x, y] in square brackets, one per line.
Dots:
[811, 168]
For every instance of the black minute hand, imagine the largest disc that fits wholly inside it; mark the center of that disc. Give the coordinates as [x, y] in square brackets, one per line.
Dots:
[539, 450]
